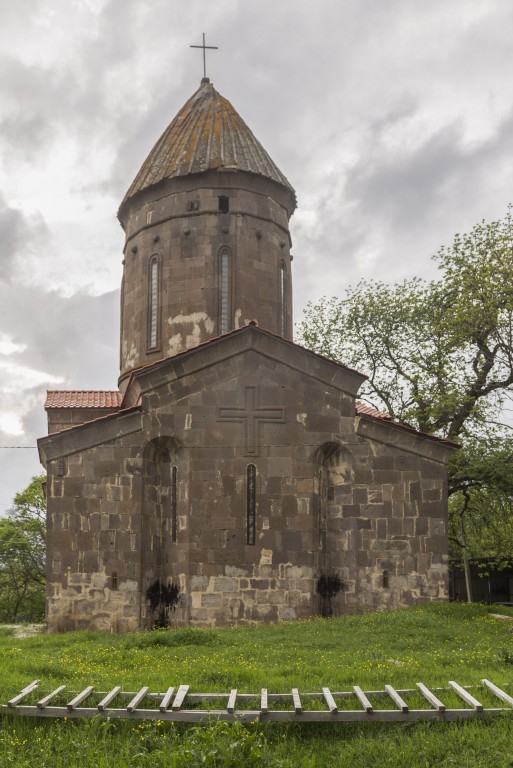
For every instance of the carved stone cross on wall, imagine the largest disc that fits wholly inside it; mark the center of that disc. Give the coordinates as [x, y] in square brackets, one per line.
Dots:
[252, 415]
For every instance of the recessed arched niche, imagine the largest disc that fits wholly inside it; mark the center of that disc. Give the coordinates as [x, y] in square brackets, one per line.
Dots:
[159, 530]
[335, 474]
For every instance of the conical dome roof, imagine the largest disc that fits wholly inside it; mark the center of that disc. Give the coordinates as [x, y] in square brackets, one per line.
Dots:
[207, 134]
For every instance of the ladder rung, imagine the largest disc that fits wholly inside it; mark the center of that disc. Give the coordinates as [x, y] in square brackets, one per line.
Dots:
[430, 696]
[180, 696]
[330, 701]
[137, 699]
[108, 698]
[41, 704]
[80, 698]
[400, 702]
[23, 693]
[231, 700]
[502, 695]
[362, 698]
[164, 704]
[465, 695]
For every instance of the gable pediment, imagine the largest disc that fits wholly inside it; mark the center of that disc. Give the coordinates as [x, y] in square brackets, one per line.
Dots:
[225, 349]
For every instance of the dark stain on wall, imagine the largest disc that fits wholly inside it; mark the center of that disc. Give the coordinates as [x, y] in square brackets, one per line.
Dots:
[328, 585]
[162, 599]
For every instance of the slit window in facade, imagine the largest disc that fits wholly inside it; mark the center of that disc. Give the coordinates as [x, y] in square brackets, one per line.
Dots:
[323, 501]
[154, 303]
[283, 296]
[224, 204]
[251, 504]
[224, 290]
[174, 474]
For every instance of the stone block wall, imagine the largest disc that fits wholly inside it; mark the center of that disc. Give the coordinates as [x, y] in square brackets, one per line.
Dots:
[186, 244]
[350, 513]
[387, 527]
[64, 418]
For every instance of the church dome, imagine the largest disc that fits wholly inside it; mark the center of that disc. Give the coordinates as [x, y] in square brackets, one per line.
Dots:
[207, 134]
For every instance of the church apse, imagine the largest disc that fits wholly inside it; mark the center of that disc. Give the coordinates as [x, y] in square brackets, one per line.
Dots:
[163, 470]
[335, 477]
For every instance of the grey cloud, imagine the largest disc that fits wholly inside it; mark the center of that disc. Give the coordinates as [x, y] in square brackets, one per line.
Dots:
[410, 189]
[12, 227]
[34, 421]
[18, 232]
[17, 466]
[75, 338]
[26, 135]
[34, 99]
[405, 186]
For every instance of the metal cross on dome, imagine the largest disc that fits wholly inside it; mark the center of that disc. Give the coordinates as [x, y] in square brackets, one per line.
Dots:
[210, 47]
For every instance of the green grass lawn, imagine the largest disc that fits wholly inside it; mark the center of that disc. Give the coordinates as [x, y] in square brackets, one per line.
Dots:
[432, 644]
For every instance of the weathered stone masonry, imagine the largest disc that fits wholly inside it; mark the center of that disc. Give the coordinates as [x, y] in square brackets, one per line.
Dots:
[233, 477]
[336, 495]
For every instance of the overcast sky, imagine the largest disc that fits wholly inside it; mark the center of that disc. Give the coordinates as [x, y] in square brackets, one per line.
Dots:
[392, 119]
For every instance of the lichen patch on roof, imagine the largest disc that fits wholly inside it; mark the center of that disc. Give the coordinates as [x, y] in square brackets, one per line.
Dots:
[83, 399]
[207, 134]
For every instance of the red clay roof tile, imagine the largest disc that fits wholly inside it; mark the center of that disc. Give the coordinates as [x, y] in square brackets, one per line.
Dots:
[83, 399]
[367, 410]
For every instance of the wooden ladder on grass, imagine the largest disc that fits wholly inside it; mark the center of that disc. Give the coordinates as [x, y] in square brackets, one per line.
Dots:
[179, 704]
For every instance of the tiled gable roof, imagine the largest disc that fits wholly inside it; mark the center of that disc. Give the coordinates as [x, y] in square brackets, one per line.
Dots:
[112, 399]
[367, 410]
[83, 399]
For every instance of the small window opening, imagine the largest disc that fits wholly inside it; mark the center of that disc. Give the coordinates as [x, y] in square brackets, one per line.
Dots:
[251, 504]
[173, 503]
[153, 313]
[114, 579]
[283, 299]
[224, 204]
[225, 290]
[385, 579]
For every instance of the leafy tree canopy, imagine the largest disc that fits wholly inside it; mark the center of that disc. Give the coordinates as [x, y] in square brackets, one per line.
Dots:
[439, 355]
[22, 556]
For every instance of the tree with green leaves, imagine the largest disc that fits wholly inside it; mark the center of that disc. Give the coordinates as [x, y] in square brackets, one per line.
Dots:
[439, 357]
[481, 502]
[22, 556]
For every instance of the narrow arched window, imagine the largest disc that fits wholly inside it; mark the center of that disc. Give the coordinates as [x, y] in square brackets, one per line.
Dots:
[225, 269]
[174, 473]
[283, 298]
[153, 310]
[122, 320]
[251, 504]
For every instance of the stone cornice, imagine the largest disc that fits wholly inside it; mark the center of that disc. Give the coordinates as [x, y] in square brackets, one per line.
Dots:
[88, 435]
[405, 439]
[247, 339]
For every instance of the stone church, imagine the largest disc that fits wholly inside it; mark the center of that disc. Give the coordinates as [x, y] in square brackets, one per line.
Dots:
[233, 477]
